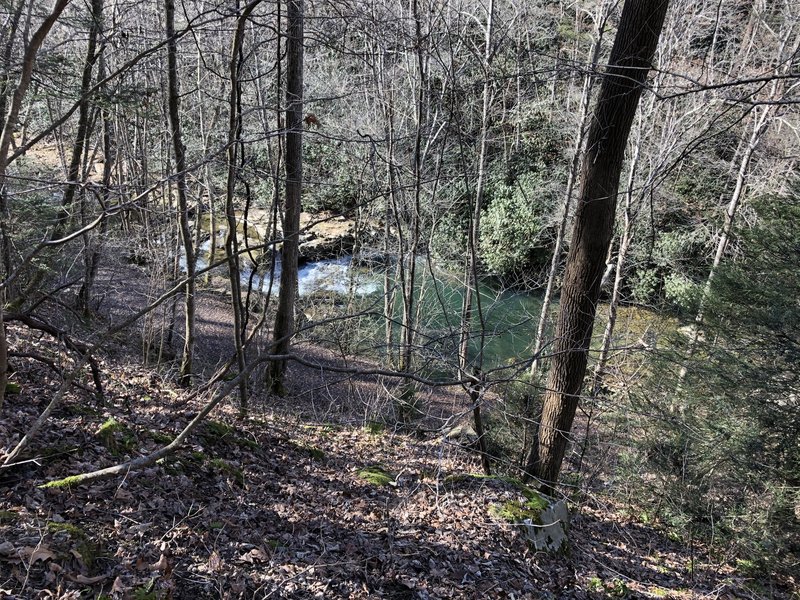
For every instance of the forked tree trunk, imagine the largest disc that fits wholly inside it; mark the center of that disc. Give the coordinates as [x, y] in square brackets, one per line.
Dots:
[76, 168]
[408, 260]
[231, 240]
[634, 46]
[284, 319]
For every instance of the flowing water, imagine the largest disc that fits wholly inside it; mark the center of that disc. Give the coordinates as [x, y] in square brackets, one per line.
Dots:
[508, 318]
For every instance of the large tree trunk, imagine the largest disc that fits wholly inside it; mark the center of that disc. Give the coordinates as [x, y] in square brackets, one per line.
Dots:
[572, 176]
[284, 319]
[634, 46]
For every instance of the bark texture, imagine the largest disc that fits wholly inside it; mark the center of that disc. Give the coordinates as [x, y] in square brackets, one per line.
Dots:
[284, 319]
[183, 205]
[634, 46]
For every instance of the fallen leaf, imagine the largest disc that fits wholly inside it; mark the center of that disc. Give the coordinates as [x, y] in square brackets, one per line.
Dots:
[215, 562]
[118, 587]
[255, 555]
[37, 554]
[161, 565]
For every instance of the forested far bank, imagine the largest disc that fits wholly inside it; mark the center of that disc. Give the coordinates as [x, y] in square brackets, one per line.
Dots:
[577, 222]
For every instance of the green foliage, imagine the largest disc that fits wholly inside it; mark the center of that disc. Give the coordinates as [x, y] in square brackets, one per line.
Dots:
[146, 592]
[449, 237]
[727, 456]
[673, 271]
[520, 192]
[540, 152]
[374, 428]
[645, 284]
[514, 235]
[327, 163]
[682, 249]
[701, 183]
[682, 292]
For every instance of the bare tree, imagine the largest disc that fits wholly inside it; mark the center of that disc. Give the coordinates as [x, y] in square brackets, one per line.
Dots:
[572, 177]
[471, 282]
[767, 105]
[634, 46]
[284, 319]
[10, 122]
[231, 238]
[183, 208]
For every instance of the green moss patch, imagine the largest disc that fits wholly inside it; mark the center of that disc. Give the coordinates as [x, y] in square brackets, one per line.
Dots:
[376, 475]
[515, 511]
[68, 528]
[62, 483]
[215, 432]
[223, 466]
[217, 429]
[248, 443]
[159, 437]
[115, 436]
[84, 545]
[312, 451]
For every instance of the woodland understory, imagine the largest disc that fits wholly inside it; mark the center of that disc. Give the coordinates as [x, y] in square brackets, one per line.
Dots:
[305, 498]
[322, 299]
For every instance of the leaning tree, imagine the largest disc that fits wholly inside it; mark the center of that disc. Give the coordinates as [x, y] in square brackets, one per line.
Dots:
[634, 46]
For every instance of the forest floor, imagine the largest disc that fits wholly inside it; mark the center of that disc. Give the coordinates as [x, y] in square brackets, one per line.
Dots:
[305, 498]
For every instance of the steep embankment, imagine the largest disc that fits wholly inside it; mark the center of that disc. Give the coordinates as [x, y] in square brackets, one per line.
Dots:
[287, 506]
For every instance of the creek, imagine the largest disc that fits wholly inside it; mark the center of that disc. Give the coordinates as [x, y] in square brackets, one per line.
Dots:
[509, 317]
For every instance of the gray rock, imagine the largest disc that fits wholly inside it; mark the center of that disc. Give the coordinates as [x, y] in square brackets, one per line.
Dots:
[551, 534]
